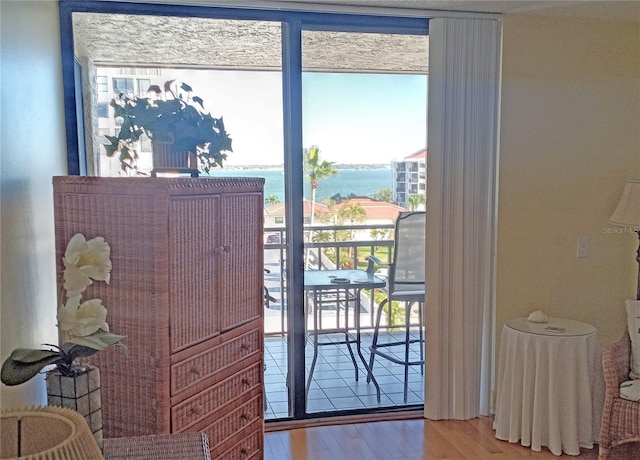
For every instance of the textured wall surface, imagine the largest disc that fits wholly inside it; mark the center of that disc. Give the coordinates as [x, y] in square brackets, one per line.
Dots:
[216, 43]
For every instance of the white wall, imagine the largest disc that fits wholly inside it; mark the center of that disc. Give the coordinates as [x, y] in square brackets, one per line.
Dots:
[33, 149]
[570, 138]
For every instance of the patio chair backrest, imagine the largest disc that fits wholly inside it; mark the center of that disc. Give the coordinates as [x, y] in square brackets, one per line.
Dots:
[408, 267]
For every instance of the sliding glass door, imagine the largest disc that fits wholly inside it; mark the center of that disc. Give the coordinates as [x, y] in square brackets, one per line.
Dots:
[330, 109]
[363, 121]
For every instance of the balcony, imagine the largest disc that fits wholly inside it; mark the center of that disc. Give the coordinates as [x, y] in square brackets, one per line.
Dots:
[333, 387]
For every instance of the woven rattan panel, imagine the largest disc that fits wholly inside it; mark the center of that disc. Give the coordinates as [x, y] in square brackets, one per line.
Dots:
[187, 269]
[230, 424]
[241, 300]
[178, 446]
[194, 252]
[205, 365]
[130, 298]
[249, 445]
[206, 402]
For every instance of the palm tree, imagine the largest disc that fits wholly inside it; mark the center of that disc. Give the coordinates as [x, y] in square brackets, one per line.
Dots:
[322, 237]
[415, 201]
[351, 213]
[271, 199]
[316, 170]
[380, 234]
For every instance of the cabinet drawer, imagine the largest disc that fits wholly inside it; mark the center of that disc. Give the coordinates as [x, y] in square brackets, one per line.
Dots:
[204, 365]
[229, 425]
[248, 447]
[201, 405]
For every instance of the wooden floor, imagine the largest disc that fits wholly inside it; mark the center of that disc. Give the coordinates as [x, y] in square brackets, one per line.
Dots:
[405, 440]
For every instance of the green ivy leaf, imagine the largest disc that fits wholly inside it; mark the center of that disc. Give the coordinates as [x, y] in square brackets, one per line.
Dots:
[180, 119]
[16, 372]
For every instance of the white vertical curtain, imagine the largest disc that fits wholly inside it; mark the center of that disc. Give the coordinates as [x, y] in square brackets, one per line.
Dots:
[462, 157]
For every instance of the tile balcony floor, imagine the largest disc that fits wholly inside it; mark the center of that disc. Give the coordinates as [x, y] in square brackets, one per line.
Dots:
[333, 387]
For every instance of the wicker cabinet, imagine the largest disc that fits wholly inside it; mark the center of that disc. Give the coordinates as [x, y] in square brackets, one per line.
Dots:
[186, 290]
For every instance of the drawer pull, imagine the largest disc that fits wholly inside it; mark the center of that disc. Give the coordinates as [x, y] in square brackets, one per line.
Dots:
[246, 381]
[197, 410]
[245, 347]
[244, 450]
[195, 370]
[244, 417]
[226, 248]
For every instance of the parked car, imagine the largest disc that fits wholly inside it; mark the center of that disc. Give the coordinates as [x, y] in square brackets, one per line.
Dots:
[273, 238]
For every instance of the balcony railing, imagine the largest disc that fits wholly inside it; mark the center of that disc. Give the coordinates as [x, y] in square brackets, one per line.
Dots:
[333, 387]
[326, 248]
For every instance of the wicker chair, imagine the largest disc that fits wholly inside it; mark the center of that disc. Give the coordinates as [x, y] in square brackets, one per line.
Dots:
[620, 417]
[177, 446]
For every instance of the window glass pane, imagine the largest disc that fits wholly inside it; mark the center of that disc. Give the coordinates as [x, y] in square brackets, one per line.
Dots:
[102, 84]
[103, 110]
[242, 83]
[143, 86]
[123, 85]
[364, 135]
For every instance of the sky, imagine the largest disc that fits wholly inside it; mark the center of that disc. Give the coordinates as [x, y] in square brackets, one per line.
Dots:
[352, 118]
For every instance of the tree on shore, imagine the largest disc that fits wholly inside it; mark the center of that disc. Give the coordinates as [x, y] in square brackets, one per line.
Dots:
[348, 213]
[378, 234]
[384, 194]
[315, 170]
[415, 201]
[272, 199]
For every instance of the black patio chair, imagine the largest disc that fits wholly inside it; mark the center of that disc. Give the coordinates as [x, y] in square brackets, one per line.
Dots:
[405, 283]
[266, 297]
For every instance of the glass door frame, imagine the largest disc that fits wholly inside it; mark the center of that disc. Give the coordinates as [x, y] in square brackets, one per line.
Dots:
[293, 23]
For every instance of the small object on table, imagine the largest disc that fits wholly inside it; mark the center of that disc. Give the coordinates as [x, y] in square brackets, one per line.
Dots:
[340, 280]
[538, 316]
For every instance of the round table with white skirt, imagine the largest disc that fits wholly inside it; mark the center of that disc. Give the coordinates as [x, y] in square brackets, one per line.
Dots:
[545, 385]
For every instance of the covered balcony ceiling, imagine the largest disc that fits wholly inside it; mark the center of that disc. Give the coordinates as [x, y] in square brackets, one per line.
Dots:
[116, 39]
[209, 43]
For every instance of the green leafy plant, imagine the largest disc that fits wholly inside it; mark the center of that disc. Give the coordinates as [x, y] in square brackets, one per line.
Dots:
[172, 114]
[85, 323]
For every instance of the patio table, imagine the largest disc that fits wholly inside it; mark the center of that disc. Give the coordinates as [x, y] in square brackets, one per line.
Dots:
[345, 287]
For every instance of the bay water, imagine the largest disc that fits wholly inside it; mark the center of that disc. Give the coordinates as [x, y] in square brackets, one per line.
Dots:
[359, 182]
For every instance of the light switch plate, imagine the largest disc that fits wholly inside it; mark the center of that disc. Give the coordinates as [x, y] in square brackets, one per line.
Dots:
[582, 249]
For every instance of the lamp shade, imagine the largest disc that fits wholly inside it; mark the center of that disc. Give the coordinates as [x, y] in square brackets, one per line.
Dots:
[51, 433]
[628, 211]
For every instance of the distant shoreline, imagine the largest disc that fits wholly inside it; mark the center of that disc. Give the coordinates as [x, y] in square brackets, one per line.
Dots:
[281, 167]
[346, 182]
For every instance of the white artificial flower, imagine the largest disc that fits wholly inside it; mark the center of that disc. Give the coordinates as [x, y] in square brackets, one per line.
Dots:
[84, 319]
[83, 261]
